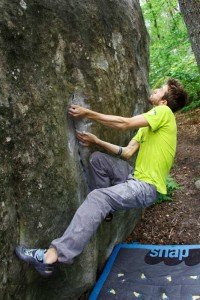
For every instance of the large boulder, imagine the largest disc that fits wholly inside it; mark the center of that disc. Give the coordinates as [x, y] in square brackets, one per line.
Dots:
[53, 53]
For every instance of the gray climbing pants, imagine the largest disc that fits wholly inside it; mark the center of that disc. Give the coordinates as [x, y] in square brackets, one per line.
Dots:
[113, 188]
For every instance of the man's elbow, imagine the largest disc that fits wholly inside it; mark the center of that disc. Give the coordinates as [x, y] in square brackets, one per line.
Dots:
[128, 124]
[125, 125]
[121, 127]
[126, 157]
[129, 151]
[126, 154]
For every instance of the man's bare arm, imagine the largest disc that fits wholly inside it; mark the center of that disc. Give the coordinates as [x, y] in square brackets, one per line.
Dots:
[112, 121]
[87, 139]
[130, 149]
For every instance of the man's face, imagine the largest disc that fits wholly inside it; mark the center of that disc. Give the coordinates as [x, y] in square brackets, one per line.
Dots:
[157, 95]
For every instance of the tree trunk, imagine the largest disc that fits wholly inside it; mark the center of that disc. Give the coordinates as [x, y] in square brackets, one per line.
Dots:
[191, 14]
[154, 18]
[171, 10]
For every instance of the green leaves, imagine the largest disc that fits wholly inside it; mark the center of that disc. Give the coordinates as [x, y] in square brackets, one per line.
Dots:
[172, 185]
[170, 50]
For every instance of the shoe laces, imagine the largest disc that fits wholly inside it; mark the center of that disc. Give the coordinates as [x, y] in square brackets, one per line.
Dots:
[36, 253]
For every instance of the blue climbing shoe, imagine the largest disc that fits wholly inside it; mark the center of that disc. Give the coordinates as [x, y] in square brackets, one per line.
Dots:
[35, 257]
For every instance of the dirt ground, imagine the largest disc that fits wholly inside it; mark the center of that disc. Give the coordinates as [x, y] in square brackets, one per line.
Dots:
[178, 221]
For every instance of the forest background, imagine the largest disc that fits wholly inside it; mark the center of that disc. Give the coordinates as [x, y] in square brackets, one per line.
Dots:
[170, 49]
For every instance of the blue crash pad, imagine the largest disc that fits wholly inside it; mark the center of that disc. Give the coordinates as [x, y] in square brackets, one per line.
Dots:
[150, 272]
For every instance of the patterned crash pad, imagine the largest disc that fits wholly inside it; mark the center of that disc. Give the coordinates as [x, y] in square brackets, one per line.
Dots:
[150, 272]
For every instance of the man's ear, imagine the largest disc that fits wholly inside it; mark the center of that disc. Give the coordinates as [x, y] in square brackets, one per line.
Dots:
[163, 101]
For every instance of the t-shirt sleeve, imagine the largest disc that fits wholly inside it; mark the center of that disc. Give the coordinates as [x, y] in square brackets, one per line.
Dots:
[157, 116]
[138, 136]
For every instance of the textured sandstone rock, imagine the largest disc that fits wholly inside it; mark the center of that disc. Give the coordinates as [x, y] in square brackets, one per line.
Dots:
[197, 184]
[53, 53]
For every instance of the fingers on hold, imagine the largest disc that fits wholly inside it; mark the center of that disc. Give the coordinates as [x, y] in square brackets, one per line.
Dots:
[84, 144]
[82, 133]
[81, 139]
[71, 112]
[79, 135]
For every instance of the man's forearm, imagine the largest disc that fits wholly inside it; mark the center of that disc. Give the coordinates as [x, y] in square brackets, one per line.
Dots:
[117, 122]
[126, 153]
[108, 120]
[114, 149]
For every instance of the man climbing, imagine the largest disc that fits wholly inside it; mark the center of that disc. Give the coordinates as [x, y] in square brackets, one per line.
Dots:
[113, 186]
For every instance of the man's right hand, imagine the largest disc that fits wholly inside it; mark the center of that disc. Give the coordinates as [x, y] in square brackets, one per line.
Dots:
[77, 111]
[87, 138]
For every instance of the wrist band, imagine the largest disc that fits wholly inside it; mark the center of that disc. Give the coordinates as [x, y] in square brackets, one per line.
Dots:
[120, 151]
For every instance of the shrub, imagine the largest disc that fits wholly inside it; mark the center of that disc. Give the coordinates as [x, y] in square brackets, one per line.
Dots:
[172, 185]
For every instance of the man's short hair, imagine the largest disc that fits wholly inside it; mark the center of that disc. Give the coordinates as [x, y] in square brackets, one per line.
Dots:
[176, 96]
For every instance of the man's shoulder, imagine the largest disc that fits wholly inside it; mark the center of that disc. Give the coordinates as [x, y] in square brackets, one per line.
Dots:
[160, 109]
[160, 116]
[163, 108]
[165, 113]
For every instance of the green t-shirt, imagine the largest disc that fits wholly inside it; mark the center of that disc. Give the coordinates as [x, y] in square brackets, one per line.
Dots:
[157, 147]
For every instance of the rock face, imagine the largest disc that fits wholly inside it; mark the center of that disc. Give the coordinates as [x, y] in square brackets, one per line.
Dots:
[197, 184]
[53, 53]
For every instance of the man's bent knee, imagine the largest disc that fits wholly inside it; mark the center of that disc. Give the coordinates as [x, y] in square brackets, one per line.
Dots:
[94, 157]
[99, 199]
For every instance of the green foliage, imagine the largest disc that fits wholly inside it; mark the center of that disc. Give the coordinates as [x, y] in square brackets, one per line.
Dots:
[192, 105]
[172, 185]
[170, 50]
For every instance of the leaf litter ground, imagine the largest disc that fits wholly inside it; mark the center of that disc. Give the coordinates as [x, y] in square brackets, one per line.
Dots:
[178, 221]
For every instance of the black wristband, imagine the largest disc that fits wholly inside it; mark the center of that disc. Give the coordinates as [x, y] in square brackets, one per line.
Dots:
[120, 151]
